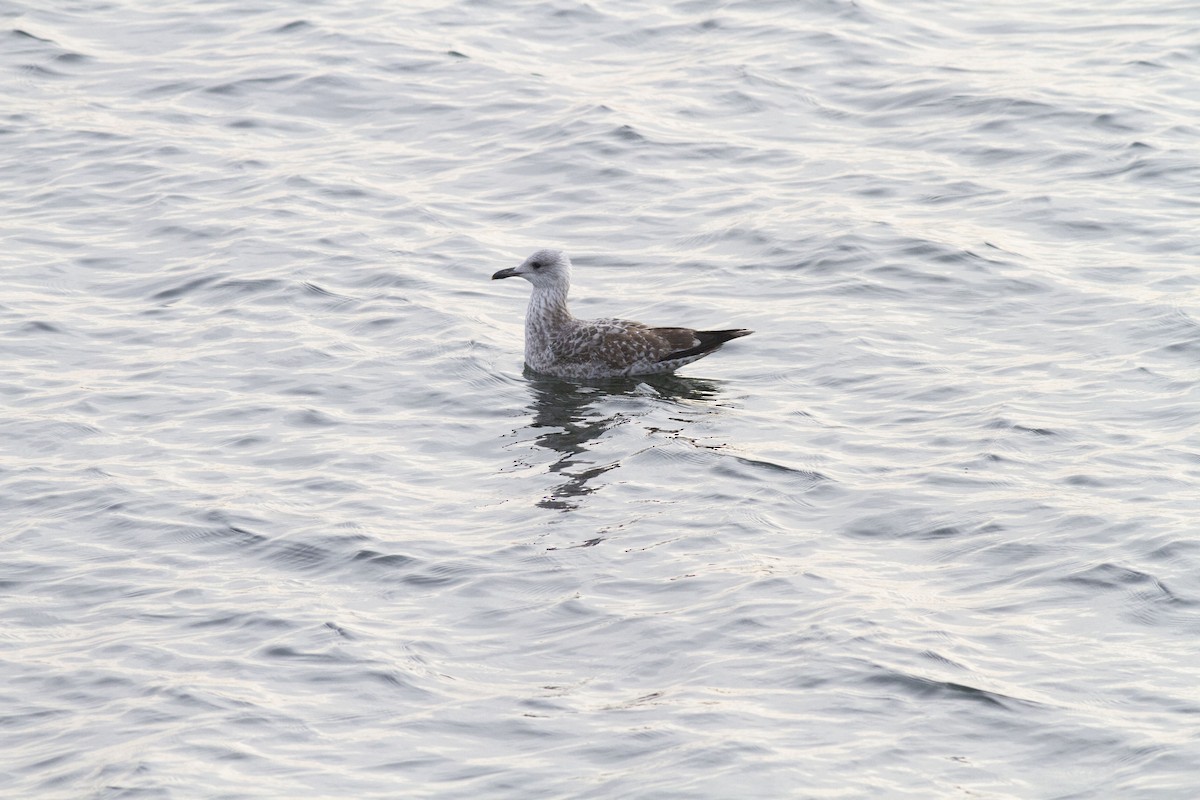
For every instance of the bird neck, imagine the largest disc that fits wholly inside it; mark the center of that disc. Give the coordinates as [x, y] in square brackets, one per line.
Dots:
[548, 306]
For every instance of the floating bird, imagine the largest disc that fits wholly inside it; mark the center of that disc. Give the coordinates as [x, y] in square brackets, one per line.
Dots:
[560, 345]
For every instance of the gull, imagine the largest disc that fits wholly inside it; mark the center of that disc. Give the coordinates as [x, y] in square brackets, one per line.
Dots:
[559, 345]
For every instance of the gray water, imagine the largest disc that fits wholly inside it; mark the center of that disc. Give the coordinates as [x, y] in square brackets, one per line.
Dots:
[283, 516]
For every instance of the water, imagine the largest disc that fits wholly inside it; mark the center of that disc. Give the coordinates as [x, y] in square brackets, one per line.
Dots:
[284, 517]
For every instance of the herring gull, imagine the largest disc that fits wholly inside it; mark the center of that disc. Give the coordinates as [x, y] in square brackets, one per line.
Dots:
[562, 346]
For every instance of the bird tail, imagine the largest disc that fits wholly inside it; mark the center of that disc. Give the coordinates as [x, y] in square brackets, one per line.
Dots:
[709, 341]
[725, 336]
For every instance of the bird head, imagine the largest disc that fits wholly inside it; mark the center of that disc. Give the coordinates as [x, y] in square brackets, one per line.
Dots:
[545, 269]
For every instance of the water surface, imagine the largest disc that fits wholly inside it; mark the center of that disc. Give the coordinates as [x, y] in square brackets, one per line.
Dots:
[285, 516]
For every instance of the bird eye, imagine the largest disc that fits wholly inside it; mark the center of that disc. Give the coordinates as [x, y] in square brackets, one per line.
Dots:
[536, 265]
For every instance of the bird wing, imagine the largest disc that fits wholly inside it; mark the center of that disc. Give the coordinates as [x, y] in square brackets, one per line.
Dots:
[688, 342]
[675, 342]
[619, 343]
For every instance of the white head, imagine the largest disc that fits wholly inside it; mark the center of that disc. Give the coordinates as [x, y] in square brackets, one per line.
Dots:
[545, 269]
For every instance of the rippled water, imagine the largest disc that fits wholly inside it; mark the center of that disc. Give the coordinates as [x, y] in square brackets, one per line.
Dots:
[284, 517]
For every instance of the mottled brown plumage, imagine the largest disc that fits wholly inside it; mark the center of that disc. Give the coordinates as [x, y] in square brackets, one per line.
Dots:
[558, 344]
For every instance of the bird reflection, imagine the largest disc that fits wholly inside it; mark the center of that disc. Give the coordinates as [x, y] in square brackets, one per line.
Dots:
[566, 411]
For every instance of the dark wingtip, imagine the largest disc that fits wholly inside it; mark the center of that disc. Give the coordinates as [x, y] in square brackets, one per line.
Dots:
[708, 341]
[725, 336]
